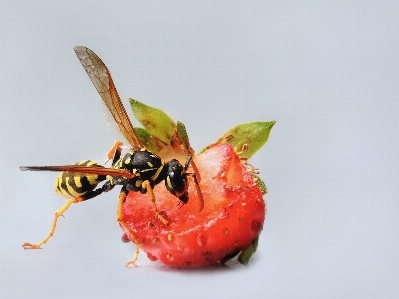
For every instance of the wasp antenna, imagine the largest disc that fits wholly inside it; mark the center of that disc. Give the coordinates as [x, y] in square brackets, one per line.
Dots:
[189, 158]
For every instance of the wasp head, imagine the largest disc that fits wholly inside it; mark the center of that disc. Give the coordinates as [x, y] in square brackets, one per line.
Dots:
[176, 180]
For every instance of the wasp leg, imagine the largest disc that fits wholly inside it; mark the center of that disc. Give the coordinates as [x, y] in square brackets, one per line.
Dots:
[119, 216]
[60, 212]
[115, 152]
[147, 186]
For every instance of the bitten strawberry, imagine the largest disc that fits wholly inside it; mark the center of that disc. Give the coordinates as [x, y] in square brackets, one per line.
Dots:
[232, 217]
[234, 208]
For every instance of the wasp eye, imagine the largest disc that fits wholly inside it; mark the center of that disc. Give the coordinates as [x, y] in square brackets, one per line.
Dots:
[176, 183]
[176, 180]
[173, 175]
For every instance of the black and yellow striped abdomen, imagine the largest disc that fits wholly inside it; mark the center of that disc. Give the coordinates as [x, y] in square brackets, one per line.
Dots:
[70, 186]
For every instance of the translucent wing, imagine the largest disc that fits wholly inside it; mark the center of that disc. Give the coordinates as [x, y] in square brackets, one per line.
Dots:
[82, 170]
[102, 80]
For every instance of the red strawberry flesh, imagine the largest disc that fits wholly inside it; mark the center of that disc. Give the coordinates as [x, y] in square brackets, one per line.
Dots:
[232, 217]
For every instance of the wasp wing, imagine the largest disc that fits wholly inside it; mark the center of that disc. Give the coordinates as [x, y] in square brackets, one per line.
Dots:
[102, 80]
[76, 170]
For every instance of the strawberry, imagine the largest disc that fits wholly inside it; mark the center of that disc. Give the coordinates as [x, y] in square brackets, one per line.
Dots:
[233, 214]
[232, 218]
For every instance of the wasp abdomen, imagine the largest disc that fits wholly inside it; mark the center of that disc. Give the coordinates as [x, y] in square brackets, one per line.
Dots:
[71, 186]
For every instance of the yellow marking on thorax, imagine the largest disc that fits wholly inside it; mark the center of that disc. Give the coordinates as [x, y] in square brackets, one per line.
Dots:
[118, 164]
[138, 183]
[150, 164]
[156, 174]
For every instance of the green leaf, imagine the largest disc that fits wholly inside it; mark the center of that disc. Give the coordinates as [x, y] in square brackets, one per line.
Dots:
[183, 136]
[152, 144]
[261, 184]
[248, 251]
[229, 256]
[254, 135]
[155, 121]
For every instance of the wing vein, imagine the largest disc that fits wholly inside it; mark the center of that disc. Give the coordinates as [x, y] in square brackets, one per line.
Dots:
[102, 81]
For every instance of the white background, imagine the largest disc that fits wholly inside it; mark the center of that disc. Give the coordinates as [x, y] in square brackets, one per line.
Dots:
[326, 71]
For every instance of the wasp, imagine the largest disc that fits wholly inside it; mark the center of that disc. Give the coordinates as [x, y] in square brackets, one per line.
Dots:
[139, 170]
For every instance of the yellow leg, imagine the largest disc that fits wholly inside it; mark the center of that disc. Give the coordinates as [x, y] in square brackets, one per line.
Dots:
[58, 213]
[146, 184]
[116, 147]
[122, 197]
